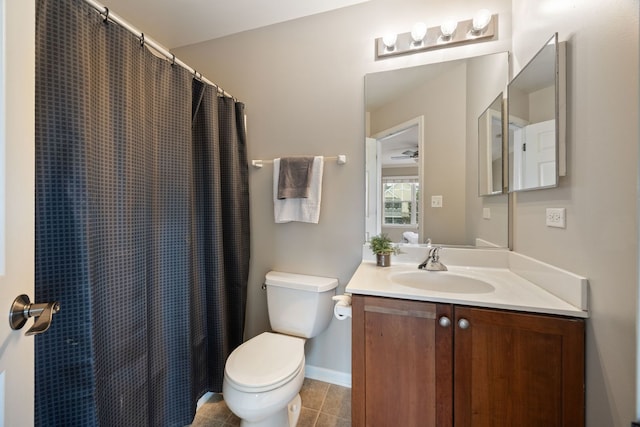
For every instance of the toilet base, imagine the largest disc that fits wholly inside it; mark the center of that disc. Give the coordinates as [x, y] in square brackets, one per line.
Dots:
[294, 407]
[286, 417]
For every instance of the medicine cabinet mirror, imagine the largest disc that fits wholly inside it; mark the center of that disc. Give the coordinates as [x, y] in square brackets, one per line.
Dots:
[536, 111]
[490, 148]
[422, 153]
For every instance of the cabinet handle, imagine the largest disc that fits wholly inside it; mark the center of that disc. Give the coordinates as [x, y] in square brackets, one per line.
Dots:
[463, 323]
[444, 322]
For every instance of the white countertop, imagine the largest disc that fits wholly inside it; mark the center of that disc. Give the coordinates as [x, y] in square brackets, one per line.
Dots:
[512, 291]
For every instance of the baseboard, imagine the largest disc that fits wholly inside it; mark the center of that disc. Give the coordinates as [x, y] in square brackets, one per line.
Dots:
[204, 399]
[328, 375]
[314, 372]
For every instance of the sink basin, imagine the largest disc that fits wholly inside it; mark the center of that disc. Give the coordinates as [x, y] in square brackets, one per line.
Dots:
[441, 281]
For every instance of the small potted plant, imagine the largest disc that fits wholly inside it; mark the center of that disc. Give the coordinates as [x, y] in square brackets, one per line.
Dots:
[382, 246]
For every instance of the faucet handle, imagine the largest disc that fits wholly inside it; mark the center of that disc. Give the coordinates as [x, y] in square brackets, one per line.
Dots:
[434, 253]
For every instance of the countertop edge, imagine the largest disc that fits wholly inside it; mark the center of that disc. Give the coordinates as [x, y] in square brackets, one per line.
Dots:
[481, 304]
[359, 285]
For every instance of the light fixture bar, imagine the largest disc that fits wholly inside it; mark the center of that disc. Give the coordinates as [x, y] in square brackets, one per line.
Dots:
[434, 39]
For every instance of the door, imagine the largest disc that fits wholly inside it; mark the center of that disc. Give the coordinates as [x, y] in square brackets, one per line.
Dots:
[517, 369]
[401, 363]
[540, 159]
[372, 193]
[17, 176]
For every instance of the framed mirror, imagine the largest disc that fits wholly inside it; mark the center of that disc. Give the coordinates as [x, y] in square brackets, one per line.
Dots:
[536, 112]
[490, 148]
[422, 153]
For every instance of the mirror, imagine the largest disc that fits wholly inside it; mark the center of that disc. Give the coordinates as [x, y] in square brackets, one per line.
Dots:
[490, 147]
[422, 153]
[536, 121]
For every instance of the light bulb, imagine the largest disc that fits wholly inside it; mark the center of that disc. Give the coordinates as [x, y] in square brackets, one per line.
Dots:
[418, 32]
[481, 20]
[389, 40]
[448, 28]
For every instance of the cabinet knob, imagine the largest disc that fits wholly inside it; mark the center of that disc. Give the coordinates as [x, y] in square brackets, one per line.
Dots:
[463, 323]
[444, 321]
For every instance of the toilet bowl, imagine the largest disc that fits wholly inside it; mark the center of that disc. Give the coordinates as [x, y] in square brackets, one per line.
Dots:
[263, 376]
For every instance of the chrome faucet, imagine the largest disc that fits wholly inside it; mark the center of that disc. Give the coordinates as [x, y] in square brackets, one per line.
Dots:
[432, 263]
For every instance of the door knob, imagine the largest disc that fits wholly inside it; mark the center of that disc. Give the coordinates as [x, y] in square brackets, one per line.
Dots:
[444, 321]
[22, 309]
[463, 323]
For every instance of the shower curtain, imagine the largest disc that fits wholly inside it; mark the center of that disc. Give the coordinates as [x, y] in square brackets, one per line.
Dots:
[142, 227]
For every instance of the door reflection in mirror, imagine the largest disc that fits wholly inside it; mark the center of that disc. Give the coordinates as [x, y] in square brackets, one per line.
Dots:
[490, 148]
[397, 181]
[534, 109]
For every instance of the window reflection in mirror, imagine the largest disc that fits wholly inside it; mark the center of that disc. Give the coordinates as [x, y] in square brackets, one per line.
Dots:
[490, 147]
[533, 109]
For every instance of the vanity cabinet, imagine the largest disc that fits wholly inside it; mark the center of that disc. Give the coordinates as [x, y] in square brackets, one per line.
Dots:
[424, 364]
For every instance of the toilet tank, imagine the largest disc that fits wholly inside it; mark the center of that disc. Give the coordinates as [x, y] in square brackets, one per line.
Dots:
[298, 304]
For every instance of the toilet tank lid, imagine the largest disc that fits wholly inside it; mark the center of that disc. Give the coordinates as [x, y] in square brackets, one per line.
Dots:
[301, 281]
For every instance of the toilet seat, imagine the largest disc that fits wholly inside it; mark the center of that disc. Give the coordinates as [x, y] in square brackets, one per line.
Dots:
[265, 362]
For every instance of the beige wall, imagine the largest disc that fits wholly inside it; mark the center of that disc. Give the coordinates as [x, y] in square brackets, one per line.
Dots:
[493, 230]
[600, 191]
[541, 104]
[303, 85]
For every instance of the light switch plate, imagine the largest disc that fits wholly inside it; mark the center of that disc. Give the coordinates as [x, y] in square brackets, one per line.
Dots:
[436, 201]
[556, 217]
[486, 213]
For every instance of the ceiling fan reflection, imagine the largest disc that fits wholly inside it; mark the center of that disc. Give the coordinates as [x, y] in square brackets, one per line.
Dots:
[407, 154]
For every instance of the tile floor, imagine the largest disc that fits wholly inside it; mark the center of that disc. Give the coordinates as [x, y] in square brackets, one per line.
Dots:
[323, 405]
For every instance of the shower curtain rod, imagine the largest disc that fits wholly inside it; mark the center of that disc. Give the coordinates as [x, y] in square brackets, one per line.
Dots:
[108, 15]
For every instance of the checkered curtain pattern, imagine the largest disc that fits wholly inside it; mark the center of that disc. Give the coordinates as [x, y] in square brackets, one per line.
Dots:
[142, 227]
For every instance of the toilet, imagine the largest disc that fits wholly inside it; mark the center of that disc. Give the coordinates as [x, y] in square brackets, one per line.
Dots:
[264, 375]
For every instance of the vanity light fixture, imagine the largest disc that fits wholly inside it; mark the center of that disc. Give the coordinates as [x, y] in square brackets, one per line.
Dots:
[480, 21]
[389, 41]
[418, 32]
[448, 28]
[482, 27]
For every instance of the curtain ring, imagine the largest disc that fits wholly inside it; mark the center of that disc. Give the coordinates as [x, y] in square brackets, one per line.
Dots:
[106, 15]
[173, 60]
[141, 39]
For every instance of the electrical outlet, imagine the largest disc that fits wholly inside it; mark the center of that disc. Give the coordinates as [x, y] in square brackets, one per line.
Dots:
[436, 201]
[556, 217]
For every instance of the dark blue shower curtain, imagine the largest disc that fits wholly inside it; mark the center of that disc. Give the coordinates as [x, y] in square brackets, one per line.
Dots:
[142, 227]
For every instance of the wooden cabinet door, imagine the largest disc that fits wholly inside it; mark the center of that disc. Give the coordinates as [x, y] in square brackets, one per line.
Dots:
[514, 369]
[402, 365]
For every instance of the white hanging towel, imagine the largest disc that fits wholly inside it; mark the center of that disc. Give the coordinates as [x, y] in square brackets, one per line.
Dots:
[302, 209]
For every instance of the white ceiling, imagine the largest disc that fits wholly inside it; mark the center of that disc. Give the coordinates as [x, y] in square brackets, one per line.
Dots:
[175, 23]
[393, 147]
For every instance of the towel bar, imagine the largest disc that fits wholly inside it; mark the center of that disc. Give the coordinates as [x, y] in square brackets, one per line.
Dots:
[341, 159]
